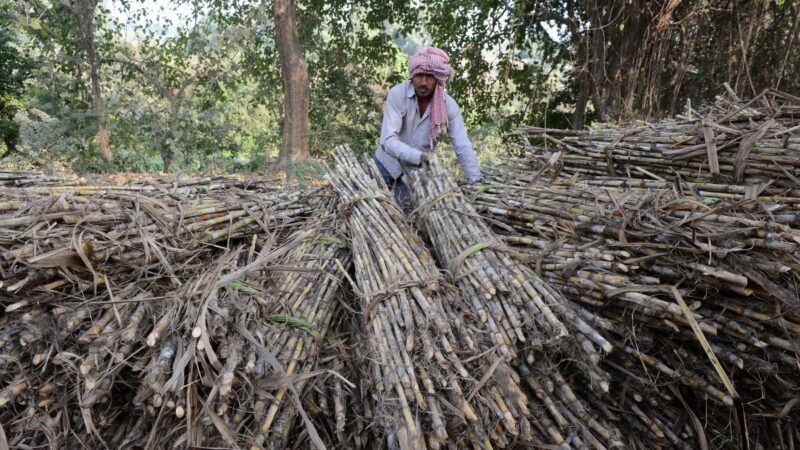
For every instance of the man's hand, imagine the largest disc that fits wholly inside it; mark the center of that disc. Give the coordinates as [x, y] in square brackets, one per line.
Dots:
[425, 158]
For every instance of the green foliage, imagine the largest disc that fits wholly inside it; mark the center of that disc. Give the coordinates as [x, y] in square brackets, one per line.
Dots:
[56, 126]
[196, 86]
[487, 141]
[42, 142]
[503, 60]
[14, 69]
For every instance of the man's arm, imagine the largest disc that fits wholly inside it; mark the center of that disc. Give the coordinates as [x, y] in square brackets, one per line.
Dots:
[461, 143]
[390, 130]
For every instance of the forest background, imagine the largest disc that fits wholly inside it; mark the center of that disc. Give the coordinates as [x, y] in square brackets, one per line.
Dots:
[197, 85]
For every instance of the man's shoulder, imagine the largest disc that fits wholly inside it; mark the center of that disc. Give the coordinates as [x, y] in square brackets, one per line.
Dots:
[450, 103]
[399, 88]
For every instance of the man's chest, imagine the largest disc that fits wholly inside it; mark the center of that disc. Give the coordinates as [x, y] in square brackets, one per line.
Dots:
[415, 131]
[415, 117]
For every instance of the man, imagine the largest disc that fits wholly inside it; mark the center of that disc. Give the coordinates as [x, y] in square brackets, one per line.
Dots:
[416, 112]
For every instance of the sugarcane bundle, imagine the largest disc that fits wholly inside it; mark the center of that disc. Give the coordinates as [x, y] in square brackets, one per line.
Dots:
[752, 253]
[73, 241]
[434, 385]
[342, 410]
[347, 411]
[518, 306]
[23, 178]
[183, 185]
[27, 191]
[369, 166]
[304, 301]
[755, 141]
[620, 253]
[179, 184]
[219, 361]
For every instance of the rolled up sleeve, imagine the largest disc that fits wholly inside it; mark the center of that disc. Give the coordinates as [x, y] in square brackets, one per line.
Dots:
[390, 130]
[461, 143]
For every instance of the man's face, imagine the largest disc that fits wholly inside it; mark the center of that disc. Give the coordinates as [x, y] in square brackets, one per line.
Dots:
[424, 84]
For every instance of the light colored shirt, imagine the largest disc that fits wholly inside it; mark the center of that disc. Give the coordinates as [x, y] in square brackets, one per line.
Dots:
[405, 134]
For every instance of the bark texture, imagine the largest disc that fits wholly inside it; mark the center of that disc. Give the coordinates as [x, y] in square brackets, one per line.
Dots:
[86, 20]
[294, 71]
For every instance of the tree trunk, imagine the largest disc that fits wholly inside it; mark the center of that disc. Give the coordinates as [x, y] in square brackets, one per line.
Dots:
[85, 18]
[584, 82]
[295, 84]
[598, 59]
[579, 116]
[166, 150]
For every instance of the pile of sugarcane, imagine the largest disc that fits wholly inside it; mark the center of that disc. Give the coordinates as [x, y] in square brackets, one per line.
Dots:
[574, 408]
[568, 403]
[693, 284]
[732, 141]
[106, 290]
[217, 353]
[648, 308]
[73, 239]
[434, 383]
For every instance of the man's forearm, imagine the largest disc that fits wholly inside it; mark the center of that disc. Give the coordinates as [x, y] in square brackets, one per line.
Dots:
[466, 158]
[462, 145]
[469, 164]
[402, 151]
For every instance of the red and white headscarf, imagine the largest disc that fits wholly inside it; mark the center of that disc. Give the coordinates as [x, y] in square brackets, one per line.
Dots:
[433, 61]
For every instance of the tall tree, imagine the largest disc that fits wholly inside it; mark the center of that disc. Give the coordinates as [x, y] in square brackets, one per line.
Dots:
[624, 58]
[85, 12]
[14, 69]
[294, 71]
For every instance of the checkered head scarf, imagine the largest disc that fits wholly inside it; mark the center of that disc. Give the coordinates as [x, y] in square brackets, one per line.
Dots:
[433, 61]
